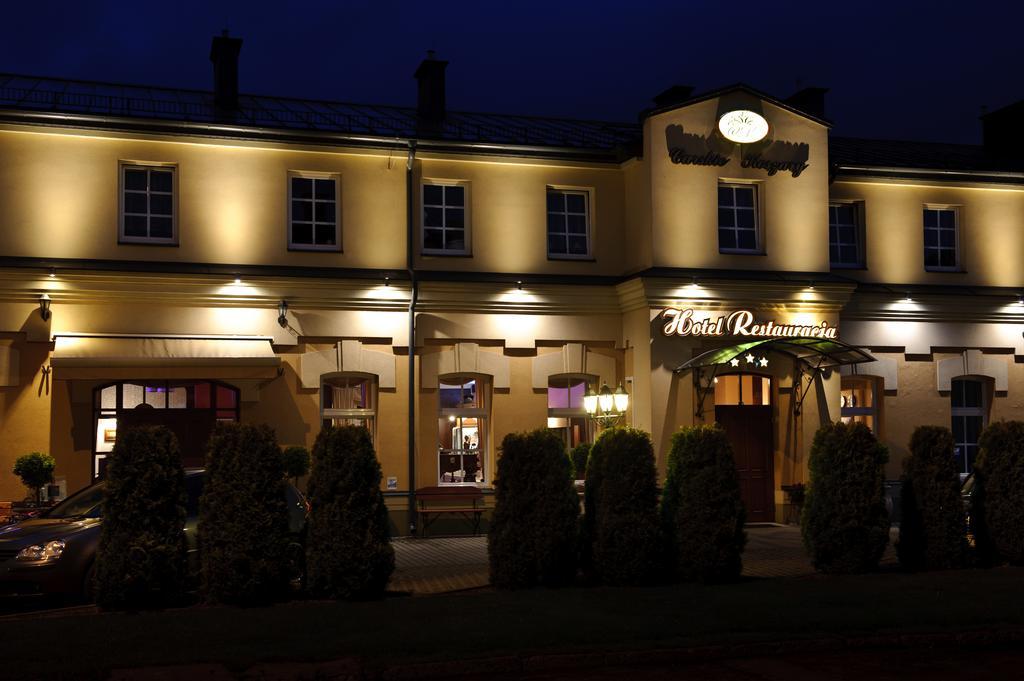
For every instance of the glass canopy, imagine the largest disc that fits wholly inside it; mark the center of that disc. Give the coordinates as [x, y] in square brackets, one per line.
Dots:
[820, 353]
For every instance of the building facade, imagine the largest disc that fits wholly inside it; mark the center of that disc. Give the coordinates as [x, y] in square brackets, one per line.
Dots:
[446, 278]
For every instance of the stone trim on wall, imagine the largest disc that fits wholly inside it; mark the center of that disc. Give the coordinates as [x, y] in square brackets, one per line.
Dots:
[572, 358]
[348, 356]
[9, 366]
[885, 368]
[464, 358]
[972, 363]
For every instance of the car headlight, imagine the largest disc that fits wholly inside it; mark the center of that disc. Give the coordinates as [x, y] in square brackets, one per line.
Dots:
[51, 550]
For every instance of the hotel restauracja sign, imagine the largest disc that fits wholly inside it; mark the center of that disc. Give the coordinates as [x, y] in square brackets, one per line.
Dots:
[680, 322]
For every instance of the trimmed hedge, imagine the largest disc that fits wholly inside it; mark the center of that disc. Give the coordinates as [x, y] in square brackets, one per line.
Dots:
[243, 517]
[140, 561]
[845, 526]
[348, 553]
[579, 455]
[532, 537]
[932, 526]
[621, 525]
[702, 513]
[997, 502]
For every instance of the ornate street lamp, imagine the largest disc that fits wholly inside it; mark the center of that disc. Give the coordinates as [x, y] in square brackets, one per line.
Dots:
[606, 407]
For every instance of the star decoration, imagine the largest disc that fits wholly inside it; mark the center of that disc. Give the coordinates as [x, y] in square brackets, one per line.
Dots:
[750, 358]
[763, 361]
[735, 361]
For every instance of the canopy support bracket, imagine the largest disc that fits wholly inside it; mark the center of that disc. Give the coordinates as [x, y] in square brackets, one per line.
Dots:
[808, 372]
[703, 388]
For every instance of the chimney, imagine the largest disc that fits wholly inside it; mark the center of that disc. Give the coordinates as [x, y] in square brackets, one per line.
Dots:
[1000, 132]
[430, 105]
[810, 100]
[677, 94]
[224, 55]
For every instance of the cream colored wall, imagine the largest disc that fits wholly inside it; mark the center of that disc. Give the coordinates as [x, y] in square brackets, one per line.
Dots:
[991, 242]
[25, 415]
[684, 198]
[60, 198]
[508, 215]
[637, 181]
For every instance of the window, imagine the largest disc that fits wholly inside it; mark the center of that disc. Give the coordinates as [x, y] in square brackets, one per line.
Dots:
[568, 223]
[858, 403]
[147, 205]
[462, 432]
[743, 389]
[968, 398]
[313, 213]
[566, 415]
[444, 219]
[189, 408]
[844, 235]
[940, 239]
[349, 400]
[737, 219]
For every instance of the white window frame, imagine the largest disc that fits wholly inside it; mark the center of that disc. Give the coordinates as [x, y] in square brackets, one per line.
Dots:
[481, 414]
[466, 224]
[570, 413]
[122, 237]
[858, 226]
[981, 411]
[369, 413]
[588, 208]
[758, 248]
[957, 266]
[333, 248]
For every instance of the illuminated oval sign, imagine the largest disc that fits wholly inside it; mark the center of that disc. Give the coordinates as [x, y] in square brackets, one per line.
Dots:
[743, 126]
[680, 322]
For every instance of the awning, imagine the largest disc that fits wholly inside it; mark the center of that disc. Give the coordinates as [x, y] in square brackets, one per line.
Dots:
[819, 353]
[131, 352]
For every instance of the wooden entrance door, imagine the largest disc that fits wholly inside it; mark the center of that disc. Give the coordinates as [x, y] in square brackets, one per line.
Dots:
[749, 429]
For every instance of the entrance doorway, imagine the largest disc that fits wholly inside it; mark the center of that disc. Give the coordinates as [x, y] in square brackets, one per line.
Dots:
[743, 407]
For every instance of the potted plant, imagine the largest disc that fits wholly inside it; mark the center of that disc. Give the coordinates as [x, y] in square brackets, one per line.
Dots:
[35, 471]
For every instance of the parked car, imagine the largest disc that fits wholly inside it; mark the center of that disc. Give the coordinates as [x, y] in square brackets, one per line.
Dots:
[54, 552]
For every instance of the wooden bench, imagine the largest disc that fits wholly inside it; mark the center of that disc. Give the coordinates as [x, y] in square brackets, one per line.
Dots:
[466, 502]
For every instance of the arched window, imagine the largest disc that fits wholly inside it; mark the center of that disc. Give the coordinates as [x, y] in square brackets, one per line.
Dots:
[349, 400]
[190, 409]
[969, 399]
[566, 415]
[462, 431]
[859, 401]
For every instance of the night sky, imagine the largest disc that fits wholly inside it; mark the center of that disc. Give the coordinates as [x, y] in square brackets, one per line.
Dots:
[896, 69]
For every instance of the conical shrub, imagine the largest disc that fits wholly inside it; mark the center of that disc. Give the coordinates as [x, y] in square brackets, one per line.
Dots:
[243, 517]
[702, 512]
[349, 553]
[140, 561]
[932, 525]
[845, 526]
[532, 537]
[997, 503]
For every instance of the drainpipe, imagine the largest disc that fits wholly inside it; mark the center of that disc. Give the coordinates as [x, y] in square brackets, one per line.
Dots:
[410, 241]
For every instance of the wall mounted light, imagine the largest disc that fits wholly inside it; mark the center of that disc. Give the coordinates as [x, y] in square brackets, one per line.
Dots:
[907, 298]
[1020, 300]
[519, 285]
[387, 281]
[53, 273]
[282, 313]
[44, 307]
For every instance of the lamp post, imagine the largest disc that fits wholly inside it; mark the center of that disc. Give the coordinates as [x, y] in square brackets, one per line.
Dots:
[606, 407]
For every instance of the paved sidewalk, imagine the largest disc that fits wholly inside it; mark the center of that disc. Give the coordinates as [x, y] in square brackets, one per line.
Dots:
[447, 564]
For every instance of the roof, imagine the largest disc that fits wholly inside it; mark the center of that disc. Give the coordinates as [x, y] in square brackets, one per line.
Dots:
[43, 94]
[818, 353]
[737, 87]
[873, 153]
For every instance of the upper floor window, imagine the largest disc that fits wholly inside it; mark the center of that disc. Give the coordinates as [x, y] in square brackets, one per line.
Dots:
[845, 246]
[349, 400]
[566, 415]
[568, 223]
[940, 239]
[444, 219]
[147, 204]
[969, 413]
[737, 219]
[313, 212]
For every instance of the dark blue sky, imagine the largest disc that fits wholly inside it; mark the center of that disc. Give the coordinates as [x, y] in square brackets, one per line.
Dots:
[896, 69]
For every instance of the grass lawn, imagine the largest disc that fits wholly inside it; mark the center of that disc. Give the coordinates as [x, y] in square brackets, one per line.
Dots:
[494, 623]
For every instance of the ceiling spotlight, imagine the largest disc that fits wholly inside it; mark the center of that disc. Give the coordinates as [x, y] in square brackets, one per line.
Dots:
[907, 298]
[519, 285]
[238, 281]
[53, 273]
[387, 280]
[282, 314]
